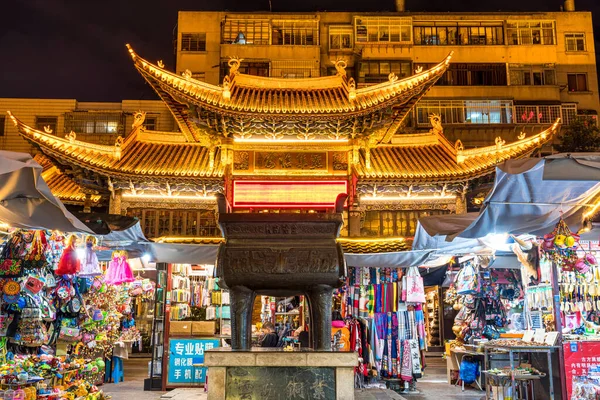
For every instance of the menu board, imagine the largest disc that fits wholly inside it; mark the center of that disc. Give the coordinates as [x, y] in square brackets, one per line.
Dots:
[184, 357]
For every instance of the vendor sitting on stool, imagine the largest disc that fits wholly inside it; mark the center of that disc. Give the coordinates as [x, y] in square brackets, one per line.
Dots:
[270, 338]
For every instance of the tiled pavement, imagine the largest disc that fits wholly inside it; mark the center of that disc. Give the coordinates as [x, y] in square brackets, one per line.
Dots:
[432, 386]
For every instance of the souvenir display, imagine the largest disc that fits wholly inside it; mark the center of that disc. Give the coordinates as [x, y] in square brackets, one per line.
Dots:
[90, 265]
[119, 271]
[69, 263]
[483, 299]
[384, 313]
[61, 305]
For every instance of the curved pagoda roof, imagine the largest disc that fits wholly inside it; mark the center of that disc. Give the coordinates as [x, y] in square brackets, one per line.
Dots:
[433, 158]
[247, 106]
[162, 156]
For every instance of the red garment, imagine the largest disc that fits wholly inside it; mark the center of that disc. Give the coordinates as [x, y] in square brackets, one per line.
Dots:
[69, 263]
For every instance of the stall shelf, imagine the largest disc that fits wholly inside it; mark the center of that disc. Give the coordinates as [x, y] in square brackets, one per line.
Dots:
[513, 351]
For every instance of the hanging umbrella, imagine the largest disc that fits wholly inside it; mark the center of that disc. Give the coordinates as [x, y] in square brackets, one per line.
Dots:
[26, 200]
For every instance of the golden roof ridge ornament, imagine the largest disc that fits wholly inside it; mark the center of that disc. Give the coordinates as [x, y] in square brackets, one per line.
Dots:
[234, 65]
[48, 129]
[340, 67]
[160, 63]
[139, 117]
[71, 137]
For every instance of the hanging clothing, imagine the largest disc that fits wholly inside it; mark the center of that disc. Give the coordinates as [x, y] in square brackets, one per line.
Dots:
[90, 266]
[119, 271]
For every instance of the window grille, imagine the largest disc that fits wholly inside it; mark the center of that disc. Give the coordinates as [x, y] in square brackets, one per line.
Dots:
[532, 75]
[472, 74]
[383, 30]
[575, 41]
[394, 223]
[151, 123]
[299, 33]
[95, 122]
[2, 126]
[434, 33]
[340, 38]
[257, 68]
[466, 111]
[156, 223]
[193, 42]
[245, 31]
[532, 114]
[378, 71]
[530, 32]
[294, 69]
[42, 122]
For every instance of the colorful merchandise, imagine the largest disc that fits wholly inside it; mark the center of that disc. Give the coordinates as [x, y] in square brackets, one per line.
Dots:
[119, 271]
[69, 263]
[90, 266]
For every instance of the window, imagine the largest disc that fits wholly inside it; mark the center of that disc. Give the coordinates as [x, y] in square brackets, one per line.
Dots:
[294, 69]
[43, 122]
[245, 31]
[577, 82]
[530, 32]
[532, 75]
[249, 68]
[2, 126]
[378, 71]
[534, 114]
[394, 223]
[201, 76]
[151, 123]
[575, 41]
[95, 122]
[442, 34]
[340, 38]
[157, 223]
[472, 74]
[383, 30]
[193, 42]
[568, 112]
[299, 33]
[466, 111]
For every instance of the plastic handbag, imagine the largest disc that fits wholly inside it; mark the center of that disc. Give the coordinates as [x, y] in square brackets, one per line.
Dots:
[68, 334]
[415, 291]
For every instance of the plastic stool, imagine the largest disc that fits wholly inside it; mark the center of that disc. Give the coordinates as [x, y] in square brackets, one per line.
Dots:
[107, 371]
[117, 372]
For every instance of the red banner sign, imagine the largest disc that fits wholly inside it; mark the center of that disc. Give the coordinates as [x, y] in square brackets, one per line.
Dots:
[287, 194]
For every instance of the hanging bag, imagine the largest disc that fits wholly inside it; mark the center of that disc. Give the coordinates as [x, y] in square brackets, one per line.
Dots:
[467, 280]
[415, 291]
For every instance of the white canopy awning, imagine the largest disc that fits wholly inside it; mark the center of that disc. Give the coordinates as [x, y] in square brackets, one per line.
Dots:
[26, 200]
[531, 195]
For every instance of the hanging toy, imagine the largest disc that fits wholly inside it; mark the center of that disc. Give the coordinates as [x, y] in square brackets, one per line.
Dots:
[119, 271]
[90, 266]
[69, 263]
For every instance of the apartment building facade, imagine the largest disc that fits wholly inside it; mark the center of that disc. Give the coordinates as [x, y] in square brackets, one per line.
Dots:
[509, 72]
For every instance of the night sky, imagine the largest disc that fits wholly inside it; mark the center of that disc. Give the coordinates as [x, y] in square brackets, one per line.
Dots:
[76, 49]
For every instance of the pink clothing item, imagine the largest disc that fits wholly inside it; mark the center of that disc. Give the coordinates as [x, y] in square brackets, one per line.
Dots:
[338, 324]
[119, 271]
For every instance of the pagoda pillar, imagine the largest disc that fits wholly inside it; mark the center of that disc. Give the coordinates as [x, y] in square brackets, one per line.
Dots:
[114, 206]
[354, 214]
[461, 203]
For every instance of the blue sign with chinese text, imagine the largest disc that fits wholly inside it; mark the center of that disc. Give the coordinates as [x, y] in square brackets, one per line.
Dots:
[183, 355]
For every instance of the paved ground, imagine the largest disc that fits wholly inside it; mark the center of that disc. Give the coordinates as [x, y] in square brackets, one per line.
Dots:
[432, 386]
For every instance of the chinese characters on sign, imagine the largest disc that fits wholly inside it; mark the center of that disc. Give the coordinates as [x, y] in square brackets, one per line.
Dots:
[183, 355]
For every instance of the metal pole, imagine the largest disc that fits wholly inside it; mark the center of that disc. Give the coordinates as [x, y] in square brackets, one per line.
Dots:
[559, 327]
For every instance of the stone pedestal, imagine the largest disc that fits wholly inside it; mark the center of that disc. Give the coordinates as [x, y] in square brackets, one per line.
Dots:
[270, 374]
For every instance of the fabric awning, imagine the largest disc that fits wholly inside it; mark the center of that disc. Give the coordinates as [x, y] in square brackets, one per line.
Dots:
[531, 195]
[26, 200]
